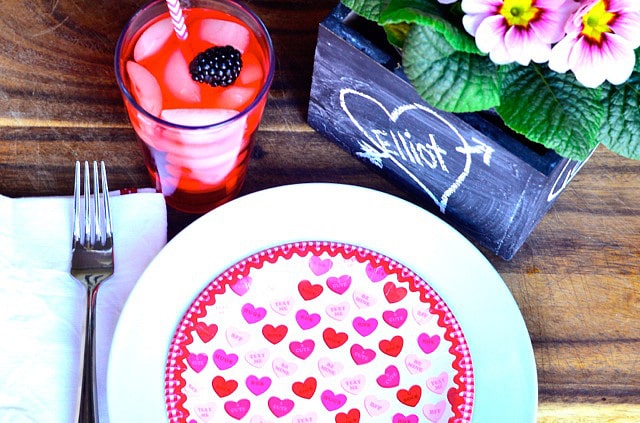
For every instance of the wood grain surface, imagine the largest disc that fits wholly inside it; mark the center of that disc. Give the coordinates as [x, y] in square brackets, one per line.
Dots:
[576, 279]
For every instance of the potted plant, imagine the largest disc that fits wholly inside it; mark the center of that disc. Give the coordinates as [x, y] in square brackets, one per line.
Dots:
[487, 108]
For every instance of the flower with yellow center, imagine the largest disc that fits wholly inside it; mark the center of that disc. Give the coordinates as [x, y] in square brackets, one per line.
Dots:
[596, 22]
[600, 42]
[516, 30]
[519, 12]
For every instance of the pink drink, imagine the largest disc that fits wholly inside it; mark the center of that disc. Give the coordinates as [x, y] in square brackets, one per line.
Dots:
[196, 138]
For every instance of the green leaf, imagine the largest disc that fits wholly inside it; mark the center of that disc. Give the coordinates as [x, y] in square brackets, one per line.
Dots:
[430, 14]
[620, 130]
[409, 11]
[446, 78]
[368, 9]
[397, 33]
[551, 109]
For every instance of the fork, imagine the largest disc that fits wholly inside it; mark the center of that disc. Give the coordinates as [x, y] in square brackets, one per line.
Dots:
[91, 263]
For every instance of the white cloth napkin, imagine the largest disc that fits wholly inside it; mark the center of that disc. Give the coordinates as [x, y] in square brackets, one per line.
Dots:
[42, 307]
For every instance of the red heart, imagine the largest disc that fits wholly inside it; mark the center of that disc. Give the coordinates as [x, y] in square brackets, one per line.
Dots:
[274, 334]
[455, 399]
[334, 339]
[392, 293]
[353, 416]
[206, 332]
[410, 397]
[308, 291]
[224, 387]
[392, 347]
[305, 389]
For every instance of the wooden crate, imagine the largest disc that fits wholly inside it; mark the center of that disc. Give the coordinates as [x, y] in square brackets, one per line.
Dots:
[483, 179]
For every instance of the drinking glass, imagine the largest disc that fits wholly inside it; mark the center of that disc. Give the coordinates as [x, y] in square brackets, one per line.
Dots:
[196, 139]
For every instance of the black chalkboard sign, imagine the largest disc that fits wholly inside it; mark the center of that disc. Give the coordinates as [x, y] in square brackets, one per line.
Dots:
[491, 185]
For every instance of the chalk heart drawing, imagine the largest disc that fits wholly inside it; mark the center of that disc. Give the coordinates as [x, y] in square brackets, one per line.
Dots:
[398, 145]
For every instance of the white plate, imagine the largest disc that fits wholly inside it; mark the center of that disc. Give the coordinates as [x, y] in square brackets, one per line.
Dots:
[503, 360]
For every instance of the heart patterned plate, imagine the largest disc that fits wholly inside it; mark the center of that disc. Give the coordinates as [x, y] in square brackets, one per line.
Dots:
[330, 332]
[320, 303]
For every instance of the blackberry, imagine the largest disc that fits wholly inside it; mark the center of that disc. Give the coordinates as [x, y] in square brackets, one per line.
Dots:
[216, 66]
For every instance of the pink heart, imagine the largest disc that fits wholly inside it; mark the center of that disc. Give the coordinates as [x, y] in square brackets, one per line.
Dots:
[338, 311]
[428, 344]
[339, 285]
[332, 401]
[416, 365]
[375, 406]
[237, 409]
[365, 327]
[433, 412]
[395, 319]
[205, 411]
[438, 384]
[252, 314]
[329, 368]
[363, 299]
[258, 386]
[237, 337]
[375, 274]
[304, 418]
[361, 355]
[197, 361]
[224, 361]
[319, 266]
[282, 306]
[283, 368]
[257, 358]
[422, 313]
[303, 349]
[401, 418]
[280, 407]
[306, 320]
[242, 286]
[354, 384]
[390, 378]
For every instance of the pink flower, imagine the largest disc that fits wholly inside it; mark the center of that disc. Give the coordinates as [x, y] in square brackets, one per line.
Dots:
[516, 30]
[600, 42]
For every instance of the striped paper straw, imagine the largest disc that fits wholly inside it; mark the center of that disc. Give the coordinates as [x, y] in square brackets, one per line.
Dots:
[175, 10]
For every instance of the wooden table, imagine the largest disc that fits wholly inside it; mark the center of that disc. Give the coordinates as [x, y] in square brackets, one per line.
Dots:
[576, 280]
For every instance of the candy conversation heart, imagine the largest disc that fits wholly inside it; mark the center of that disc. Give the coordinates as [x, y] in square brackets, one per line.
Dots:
[206, 332]
[305, 389]
[280, 407]
[258, 386]
[237, 409]
[375, 273]
[197, 361]
[320, 266]
[317, 332]
[224, 387]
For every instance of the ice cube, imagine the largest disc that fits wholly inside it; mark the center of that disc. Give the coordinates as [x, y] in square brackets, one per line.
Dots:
[208, 154]
[145, 87]
[152, 39]
[197, 117]
[224, 140]
[235, 97]
[177, 79]
[251, 70]
[221, 33]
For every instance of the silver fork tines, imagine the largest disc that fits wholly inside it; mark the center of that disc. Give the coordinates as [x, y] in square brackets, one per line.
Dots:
[91, 263]
[99, 229]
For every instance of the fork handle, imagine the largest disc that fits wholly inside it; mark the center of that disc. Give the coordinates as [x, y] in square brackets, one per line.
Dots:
[88, 412]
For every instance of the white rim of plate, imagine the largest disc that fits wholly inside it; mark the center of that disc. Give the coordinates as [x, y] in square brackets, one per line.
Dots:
[503, 359]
